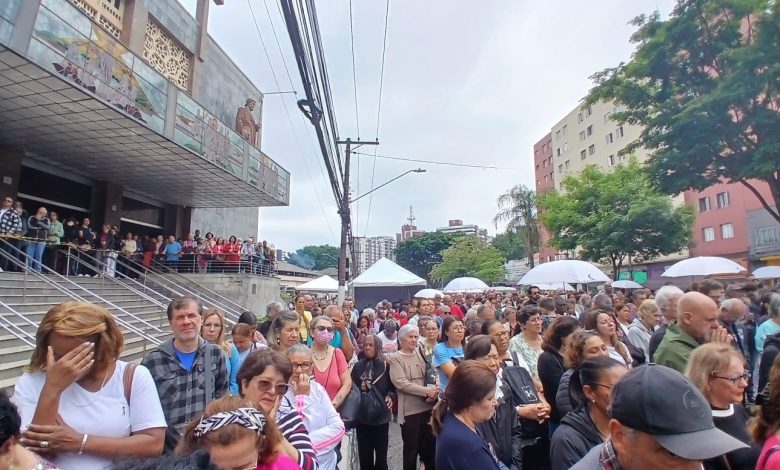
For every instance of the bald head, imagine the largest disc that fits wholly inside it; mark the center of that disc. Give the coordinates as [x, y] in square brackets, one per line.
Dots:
[697, 315]
[732, 310]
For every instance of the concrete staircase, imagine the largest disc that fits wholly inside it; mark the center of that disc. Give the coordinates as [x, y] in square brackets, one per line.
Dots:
[33, 297]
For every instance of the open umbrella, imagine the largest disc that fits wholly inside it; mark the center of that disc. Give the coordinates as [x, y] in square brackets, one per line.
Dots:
[571, 271]
[703, 266]
[767, 272]
[503, 289]
[560, 285]
[626, 284]
[466, 285]
[428, 293]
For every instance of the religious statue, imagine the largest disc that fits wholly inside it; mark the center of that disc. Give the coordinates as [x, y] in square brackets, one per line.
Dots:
[245, 122]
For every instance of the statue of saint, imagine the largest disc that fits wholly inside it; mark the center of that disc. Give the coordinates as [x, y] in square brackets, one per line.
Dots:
[246, 126]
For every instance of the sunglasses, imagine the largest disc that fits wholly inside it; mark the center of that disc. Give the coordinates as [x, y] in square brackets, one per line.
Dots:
[329, 329]
[266, 385]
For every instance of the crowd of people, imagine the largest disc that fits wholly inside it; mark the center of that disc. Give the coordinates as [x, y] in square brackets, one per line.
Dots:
[526, 380]
[43, 240]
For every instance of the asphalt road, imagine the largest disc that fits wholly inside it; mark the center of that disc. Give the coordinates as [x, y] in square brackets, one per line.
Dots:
[394, 451]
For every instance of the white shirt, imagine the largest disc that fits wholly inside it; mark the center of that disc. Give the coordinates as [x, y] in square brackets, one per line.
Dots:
[104, 413]
[388, 345]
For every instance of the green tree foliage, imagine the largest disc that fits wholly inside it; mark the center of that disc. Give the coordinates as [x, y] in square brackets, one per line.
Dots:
[611, 216]
[517, 207]
[510, 244]
[470, 256]
[420, 254]
[704, 87]
[316, 257]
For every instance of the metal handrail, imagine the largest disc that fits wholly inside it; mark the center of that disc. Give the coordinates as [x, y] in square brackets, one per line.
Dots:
[48, 280]
[164, 305]
[22, 335]
[163, 270]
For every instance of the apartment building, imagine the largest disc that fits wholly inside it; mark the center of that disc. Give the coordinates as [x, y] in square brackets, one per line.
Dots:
[457, 226]
[369, 250]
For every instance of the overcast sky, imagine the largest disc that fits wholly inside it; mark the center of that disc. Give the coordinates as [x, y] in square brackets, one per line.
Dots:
[465, 82]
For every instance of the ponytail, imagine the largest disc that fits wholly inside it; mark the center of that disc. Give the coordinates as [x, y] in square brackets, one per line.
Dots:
[437, 415]
[588, 373]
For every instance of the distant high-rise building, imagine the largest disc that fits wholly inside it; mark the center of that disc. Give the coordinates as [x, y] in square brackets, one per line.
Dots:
[457, 226]
[408, 230]
[369, 250]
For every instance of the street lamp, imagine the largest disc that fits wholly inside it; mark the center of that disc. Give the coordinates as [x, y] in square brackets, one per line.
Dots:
[418, 170]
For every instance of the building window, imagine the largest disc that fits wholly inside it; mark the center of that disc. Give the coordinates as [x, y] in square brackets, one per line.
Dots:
[582, 135]
[722, 199]
[546, 178]
[583, 155]
[727, 231]
[565, 127]
[704, 204]
[767, 236]
[579, 117]
[566, 164]
[611, 160]
[589, 130]
[606, 117]
[544, 164]
[558, 134]
[560, 168]
[709, 234]
[565, 147]
[588, 111]
[549, 161]
[592, 149]
[538, 183]
[610, 138]
[619, 132]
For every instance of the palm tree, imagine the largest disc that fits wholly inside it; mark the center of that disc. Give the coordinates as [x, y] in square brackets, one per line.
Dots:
[517, 207]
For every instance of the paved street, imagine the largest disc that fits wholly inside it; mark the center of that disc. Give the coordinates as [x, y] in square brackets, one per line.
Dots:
[394, 452]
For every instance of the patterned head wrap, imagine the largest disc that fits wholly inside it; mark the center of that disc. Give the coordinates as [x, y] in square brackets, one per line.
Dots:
[249, 418]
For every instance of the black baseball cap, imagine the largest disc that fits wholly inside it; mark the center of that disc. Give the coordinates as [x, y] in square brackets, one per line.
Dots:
[662, 402]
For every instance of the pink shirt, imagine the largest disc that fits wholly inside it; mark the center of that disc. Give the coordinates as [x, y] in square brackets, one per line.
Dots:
[330, 378]
[773, 461]
[282, 462]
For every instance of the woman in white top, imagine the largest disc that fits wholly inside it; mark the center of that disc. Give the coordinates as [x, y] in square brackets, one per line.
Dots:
[605, 325]
[309, 399]
[81, 406]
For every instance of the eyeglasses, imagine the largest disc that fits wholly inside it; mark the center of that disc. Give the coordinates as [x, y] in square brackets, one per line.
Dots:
[735, 380]
[329, 329]
[302, 365]
[266, 385]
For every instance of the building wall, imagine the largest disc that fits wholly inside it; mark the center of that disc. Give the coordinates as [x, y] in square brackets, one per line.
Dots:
[763, 237]
[226, 221]
[248, 290]
[545, 180]
[740, 202]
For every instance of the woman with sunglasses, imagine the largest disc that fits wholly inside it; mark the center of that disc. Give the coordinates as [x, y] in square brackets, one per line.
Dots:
[308, 399]
[264, 378]
[330, 366]
[587, 426]
[718, 372]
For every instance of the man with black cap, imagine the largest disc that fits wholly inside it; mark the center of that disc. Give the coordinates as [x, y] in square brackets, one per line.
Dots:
[661, 421]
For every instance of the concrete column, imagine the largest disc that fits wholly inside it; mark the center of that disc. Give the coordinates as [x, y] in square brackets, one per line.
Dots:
[107, 203]
[10, 171]
[134, 27]
[23, 26]
[170, 110]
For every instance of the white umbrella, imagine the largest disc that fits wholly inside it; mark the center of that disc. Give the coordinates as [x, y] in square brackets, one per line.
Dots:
[767, 272]
[466, 285]
[703, 266]
[560, 285]
[626, 284]
[428, 294]
[571, 271]
[503, 289]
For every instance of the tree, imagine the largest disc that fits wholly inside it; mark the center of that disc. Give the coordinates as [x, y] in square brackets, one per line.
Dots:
[704, 87]
[615, 216]
[509, 244]
[316, 257]
[517, 207]
[470, 256]
[420, 254]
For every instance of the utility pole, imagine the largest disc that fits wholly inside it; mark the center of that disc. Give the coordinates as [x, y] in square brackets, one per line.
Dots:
[344, 212]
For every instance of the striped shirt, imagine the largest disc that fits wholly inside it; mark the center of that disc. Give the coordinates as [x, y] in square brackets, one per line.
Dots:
[292, 428]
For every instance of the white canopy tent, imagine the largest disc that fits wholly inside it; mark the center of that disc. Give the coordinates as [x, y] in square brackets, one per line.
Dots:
[321, 285]
[385, 280]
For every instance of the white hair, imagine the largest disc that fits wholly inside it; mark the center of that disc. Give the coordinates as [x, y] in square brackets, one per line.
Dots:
[406, 329]
[774, 306]
[663, 296]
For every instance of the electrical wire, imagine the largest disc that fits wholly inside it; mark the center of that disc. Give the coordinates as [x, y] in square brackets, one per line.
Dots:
[378, 112]
[434, 162]
[354, 73]
[287, 112]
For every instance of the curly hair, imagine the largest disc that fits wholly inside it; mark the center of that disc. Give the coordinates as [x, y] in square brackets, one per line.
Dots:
[767, 420]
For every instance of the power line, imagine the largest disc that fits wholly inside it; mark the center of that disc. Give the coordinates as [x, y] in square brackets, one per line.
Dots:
[287, 112]
[354, 73]
[378, 111]
[434, 162]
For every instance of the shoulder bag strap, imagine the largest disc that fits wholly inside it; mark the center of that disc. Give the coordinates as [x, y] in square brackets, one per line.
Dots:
[769, 453]
[209, 374]
[383, 373]
[127, 380]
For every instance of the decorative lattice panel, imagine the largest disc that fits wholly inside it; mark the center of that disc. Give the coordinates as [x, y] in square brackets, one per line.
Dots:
[166, 56]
